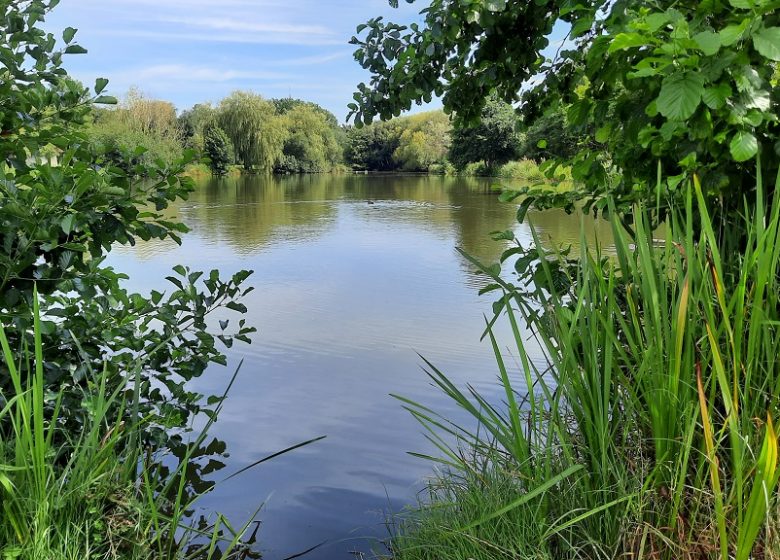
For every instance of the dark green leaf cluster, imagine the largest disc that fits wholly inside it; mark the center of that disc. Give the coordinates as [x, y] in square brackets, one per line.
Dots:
[216, 148]
[372, 147]
[493, 139]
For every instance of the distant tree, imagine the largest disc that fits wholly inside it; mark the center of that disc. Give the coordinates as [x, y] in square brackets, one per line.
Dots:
[149, 116]
[254, 128]
[216, 147]
[492, 140]
[550, 136]
[372, 147]
[191, 124]
[284, 105]
[425, 141]
[138, 122]
[311, 145]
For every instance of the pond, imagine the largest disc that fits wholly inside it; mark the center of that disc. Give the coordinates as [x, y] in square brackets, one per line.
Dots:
[354, 276]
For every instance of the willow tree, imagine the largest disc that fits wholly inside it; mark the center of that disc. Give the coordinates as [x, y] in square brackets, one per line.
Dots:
[255, 130]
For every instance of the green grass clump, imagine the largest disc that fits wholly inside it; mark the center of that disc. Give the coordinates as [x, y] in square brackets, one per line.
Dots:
[648, 430]
[91, 495]
[437, 529]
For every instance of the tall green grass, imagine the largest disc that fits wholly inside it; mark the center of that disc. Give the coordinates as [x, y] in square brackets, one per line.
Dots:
[647, 429]
[66, 496]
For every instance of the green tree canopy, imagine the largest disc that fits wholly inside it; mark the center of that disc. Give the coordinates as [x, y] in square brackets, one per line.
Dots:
[255, 130]
[312, 143]
[192, 122]
[372, 147]
[216, 147]
[550, 136]
[682, 86]
[284, 105]
[425, 141]
[138, 121]
[58, 222]
[492, 139]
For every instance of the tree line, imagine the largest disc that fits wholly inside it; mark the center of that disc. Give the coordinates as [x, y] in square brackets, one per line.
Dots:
[289, 135]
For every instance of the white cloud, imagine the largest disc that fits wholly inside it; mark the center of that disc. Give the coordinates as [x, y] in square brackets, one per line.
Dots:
[186, 73]
[311, 60]
[302, 39]
[240, 25]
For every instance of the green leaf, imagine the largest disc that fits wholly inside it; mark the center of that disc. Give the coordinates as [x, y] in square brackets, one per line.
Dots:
[742, 4]
[715, 97]
[67, 223]
[732, 33]
[541, 144]
[757, 99]
[767, 42]
[603, 134]
[240, 307]
[680, 95]
[75, 49]
[68, 34]
[627, 41]
[708, 41]
[656, 21]
[100, 85]
[495, 5]
[106, 100]
[743, 146]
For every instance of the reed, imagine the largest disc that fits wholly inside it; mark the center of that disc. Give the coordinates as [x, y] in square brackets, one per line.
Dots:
[647, 431]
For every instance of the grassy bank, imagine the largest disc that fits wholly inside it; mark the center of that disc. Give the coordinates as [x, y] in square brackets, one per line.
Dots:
[648, 431]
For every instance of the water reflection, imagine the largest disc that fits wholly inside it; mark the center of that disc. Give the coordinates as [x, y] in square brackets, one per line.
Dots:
[354, 275]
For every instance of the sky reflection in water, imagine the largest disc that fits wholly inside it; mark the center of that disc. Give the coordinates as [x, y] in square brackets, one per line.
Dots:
[354, 275]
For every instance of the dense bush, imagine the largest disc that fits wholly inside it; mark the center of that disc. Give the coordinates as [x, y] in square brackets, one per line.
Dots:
[73, 336]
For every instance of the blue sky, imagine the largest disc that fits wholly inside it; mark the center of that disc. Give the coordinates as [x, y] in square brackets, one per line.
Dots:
[191, 51]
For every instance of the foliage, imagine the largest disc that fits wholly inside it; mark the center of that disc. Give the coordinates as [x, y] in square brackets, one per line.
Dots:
[372, 147]
[492, 140]
[216, 147]
[550, 137]
[71, 495]
[255, 130]
[652, 411]
[286, 104]
[71, 439]
[311, 145]
[138, 121]
[192, 123]
[424, 142]
[57, 222]
[433, 530]
[682, 87]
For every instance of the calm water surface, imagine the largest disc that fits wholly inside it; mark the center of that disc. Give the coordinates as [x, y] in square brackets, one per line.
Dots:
[354, 276]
